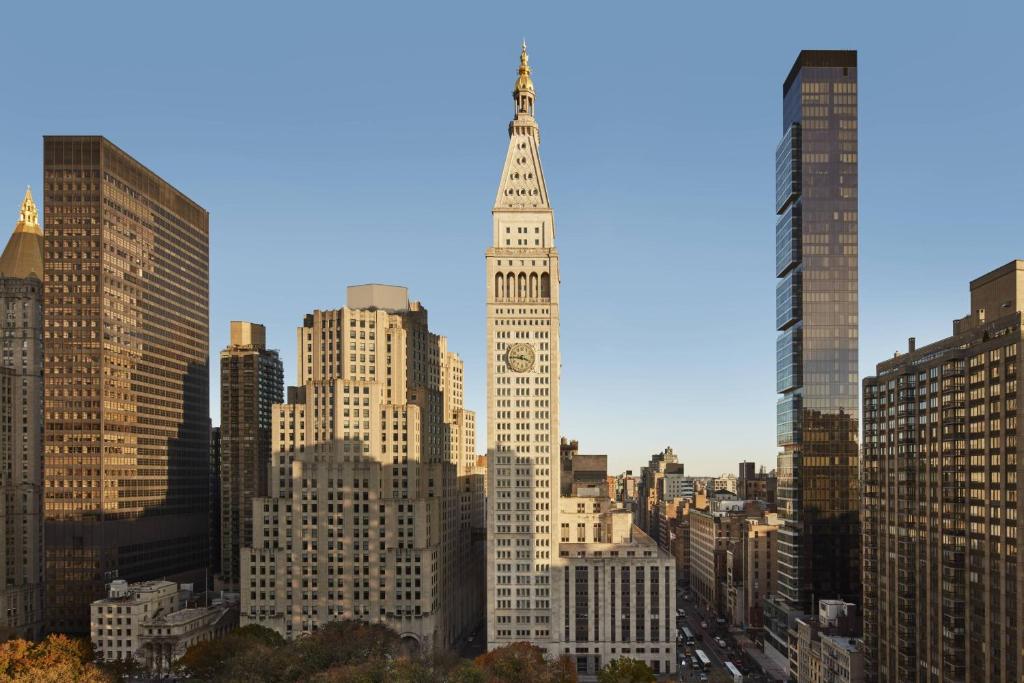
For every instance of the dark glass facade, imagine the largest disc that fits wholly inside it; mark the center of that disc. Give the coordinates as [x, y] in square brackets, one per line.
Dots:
[816, 316]
[126, 377]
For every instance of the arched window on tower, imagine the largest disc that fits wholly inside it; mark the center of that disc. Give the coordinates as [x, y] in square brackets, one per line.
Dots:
[522, 285]
[545, 286]
[533, 286]
[499, 286]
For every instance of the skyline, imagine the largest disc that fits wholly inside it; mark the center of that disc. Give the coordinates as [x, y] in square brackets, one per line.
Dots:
[575, 102]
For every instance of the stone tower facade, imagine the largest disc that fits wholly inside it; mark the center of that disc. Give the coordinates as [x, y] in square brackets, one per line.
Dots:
[21, 414]
[522, 389]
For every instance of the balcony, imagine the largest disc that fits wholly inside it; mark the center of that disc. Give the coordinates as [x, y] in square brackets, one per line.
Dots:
[787, 168]
[788, 247]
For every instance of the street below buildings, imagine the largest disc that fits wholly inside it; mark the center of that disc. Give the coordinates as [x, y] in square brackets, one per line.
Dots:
[705, 640]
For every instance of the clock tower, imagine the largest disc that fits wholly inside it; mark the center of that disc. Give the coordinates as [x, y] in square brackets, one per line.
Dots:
[522, 390]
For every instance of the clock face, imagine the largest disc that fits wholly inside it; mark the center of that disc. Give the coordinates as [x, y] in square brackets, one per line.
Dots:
[520, 357]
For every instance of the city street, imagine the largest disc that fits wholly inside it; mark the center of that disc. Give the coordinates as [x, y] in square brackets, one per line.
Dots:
[704, 640]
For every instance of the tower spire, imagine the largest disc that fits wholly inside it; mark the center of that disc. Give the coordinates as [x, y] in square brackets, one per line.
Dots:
[523, 93]
[522, 181]
[28, 215]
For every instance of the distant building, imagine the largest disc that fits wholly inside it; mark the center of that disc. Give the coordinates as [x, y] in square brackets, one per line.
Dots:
[676, 484]
[676, 535]
[828, 648]
[21, 422]
[251, 382]
[581, 472]
[626, 490]
[726, 482]
[756, 485]
[651, 489]
[750, 571]
[126, 379]
[941, 495]
[711, 532]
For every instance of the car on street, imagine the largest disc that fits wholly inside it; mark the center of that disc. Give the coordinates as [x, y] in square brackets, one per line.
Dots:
[720, 641]
[703, 624]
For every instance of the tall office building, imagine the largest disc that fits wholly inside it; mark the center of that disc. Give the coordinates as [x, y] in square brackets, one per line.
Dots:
[364, 519]
[593, 594]
[523, 368]
[21, 421]
[942, 582]
[816, 316]
[251, 382]
[126, 378]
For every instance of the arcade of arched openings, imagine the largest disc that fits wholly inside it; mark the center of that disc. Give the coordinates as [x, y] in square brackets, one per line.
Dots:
[522, 285]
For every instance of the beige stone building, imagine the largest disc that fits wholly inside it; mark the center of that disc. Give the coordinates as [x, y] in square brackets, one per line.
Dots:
[553, 563]
[523, 368]
[167, 636]
[152, 624]
[651, 488]
[725, 482]
[21, 401]
[616, 586]
[115, 623]
[373, 481]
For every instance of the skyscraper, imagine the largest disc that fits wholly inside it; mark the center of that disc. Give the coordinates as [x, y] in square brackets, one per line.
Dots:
[569, 573]
[366, 510]
[523, 368]
[21, 422]
[942, 582]
[126, 340]
[251, 382]
[816, 316]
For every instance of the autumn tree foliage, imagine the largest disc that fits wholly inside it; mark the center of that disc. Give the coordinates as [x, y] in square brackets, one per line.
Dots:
[626, 670]
[57, 659]
[522, 661]
[359, 652]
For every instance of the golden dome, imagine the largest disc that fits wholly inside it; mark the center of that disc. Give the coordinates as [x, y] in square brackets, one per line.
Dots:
[23, 255]
[524, 82]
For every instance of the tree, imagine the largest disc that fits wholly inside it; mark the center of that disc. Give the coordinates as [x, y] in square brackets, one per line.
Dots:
[55, 660]
[219, 659]
[626, 670]
[522, 661]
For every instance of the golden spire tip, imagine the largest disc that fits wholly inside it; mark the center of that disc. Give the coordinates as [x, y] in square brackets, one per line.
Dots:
[28, 213]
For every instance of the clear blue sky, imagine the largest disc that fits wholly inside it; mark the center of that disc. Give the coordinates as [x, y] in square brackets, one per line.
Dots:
[362, 142]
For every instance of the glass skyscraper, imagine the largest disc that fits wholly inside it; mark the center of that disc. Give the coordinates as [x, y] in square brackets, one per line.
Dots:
[816, 317]
[126, 377]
